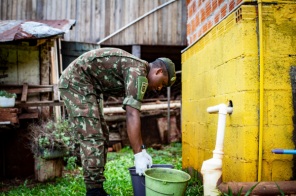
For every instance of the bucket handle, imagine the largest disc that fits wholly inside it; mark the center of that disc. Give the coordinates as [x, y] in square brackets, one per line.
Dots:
[156, 191]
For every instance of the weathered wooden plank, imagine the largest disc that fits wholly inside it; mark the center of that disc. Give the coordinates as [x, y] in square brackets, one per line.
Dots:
[29, 115]
[159, 25]
[139, 25]
[28, 7]
[4, 9]
[97, 18]
[34, 9]
[107, 13]
[104, 7]
[56, 96]
[59, 55]
[13, 10]
[150, 22]
[59, 9]
[7, 116]
[79, 23]
[155, 25]
[182, 23]
[38, 104]
[112, 18]
[173, 23]
[53, 12]
[23, 9]
[86, 21]
[73, 14]
[92, 23]
[24, 92]
[55, 74]
[33, 90]
[11, 110]
[165, 21]
[133, 30]
[39, 9]
[145, 22]
[117, 17]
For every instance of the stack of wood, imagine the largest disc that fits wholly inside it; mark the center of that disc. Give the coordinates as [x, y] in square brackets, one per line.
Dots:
[9, 115]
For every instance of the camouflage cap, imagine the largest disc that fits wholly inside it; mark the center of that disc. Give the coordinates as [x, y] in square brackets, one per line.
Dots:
[170, 66]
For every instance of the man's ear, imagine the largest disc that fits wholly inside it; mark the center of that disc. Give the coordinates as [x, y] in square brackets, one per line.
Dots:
[158, 71]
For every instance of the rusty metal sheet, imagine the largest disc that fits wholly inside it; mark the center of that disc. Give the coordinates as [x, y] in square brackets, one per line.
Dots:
[11, 30]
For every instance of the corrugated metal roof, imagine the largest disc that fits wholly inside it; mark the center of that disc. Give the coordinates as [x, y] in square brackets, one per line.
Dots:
[11, 30]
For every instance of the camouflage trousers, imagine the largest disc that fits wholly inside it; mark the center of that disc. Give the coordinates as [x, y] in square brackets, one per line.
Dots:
[91, 130]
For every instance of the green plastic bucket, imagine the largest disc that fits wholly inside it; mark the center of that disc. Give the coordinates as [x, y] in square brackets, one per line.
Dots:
[163, 181]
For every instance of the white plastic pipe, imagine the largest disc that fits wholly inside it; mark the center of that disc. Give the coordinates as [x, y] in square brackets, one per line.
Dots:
[146, 107]
[212, 169]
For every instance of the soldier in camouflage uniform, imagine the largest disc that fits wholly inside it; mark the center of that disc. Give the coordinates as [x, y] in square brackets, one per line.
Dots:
[112, 72]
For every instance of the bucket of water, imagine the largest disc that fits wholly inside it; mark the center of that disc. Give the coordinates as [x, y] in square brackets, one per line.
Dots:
[163, 181]
[138, 182]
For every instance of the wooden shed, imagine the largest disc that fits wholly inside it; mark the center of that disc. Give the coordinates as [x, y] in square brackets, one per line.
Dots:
[30, 64]
[147, 29]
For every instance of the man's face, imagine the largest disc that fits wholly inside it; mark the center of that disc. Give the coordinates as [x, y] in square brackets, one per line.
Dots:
[156, 79]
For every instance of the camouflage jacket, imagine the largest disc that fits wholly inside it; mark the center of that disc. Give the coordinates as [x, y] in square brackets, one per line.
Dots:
[108, 71]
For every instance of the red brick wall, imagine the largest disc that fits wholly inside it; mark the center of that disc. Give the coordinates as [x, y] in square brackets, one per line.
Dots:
[204, 14]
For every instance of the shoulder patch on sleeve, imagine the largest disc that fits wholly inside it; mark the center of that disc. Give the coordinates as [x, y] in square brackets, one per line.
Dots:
[142, 84]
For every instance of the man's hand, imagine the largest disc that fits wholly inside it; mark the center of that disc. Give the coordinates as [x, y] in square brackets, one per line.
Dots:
[142, 161]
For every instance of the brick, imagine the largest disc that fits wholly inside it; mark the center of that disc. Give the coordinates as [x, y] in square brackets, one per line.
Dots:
[231, 5]
[223, 11]
[190, 12]
[204, 28]
[214, 5]
[188, 29]
[220, 2]
[196, 22]
[217, 18]
[208, 9]
[209, 24]
[203, 15]
[194, 7]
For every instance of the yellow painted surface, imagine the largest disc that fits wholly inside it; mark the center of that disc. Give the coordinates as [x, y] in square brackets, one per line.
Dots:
[223, 66]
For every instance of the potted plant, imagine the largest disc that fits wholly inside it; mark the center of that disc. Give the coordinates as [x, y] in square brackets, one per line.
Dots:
[52, 139]
[7, 99]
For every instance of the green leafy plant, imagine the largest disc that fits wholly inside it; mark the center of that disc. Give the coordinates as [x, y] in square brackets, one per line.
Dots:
[229, 193]
[281, 191]
[50, 135]
[71, 163]
[7, 94]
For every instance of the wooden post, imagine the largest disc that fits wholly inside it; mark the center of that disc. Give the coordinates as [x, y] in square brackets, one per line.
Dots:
[55, 74]
[44, 76]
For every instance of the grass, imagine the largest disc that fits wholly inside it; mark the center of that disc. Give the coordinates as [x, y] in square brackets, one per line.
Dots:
[118, 180]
